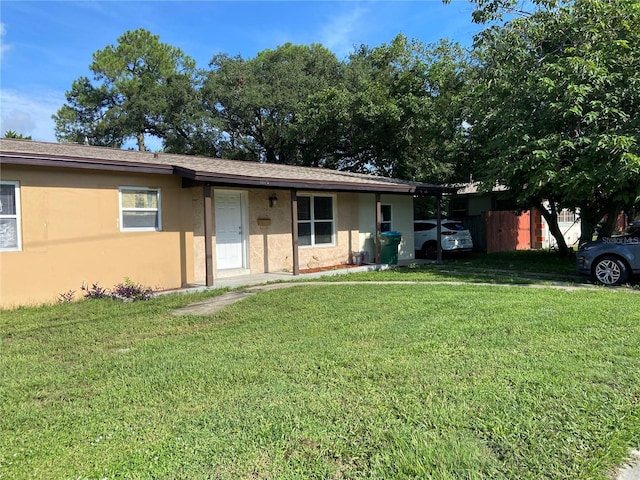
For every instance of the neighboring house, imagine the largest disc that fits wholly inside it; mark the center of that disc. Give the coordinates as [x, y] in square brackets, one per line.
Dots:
[72, 213]
[569, 224]
[496, 225]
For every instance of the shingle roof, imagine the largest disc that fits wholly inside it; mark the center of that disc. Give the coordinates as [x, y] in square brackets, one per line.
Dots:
[215, 171]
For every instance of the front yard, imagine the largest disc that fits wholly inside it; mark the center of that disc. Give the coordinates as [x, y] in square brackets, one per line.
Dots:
[330, 381]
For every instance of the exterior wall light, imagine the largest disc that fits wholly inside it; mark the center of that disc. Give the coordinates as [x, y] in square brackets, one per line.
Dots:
[273, 200]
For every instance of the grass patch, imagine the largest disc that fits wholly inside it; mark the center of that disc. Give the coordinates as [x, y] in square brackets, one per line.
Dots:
[525, 261]
[356, 381]
[519, 267]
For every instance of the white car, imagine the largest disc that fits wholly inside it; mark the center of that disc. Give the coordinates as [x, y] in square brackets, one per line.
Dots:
[454, 237]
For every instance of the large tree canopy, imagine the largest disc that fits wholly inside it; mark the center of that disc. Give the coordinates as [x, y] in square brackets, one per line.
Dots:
[557, 109]
[488, 11]
[260, 102]
[144, 87]
[400, 110]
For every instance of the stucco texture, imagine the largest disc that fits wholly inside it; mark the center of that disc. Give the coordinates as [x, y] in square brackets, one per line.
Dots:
[71, 234]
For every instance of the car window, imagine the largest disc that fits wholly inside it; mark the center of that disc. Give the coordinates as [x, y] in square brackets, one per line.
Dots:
[423, 226]
[454, 226]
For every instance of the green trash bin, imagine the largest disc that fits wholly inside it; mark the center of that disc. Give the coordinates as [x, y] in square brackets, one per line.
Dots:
[389, 242]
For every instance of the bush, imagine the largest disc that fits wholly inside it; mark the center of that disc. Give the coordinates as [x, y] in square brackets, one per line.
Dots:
[127, 290]
[131, 291]
[67, 297]
[95, 291]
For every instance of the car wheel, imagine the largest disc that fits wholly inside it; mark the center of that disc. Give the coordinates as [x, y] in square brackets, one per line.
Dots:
[430, 251]
[610, 270]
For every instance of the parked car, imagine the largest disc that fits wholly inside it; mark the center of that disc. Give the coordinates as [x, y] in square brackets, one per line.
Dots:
[455, 237]
[611, 260]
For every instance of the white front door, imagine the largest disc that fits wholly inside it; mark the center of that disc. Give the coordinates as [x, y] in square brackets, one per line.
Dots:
[230, 238]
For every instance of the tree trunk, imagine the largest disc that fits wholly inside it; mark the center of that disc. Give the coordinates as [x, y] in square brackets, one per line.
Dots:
[587, 225]
[270, 155]
[608, 224]
[141, 145]
[551, 216]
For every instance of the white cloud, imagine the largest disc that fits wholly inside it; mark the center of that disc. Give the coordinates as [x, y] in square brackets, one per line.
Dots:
[4, 48]
[338, 34]
[30, 114]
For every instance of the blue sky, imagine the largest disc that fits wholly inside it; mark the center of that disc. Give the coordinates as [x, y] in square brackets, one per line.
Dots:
[46, 45]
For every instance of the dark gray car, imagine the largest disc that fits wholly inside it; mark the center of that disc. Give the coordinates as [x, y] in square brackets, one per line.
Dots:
[612, 260]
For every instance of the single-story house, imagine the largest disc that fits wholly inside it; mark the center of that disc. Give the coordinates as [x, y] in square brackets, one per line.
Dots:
[72, 213]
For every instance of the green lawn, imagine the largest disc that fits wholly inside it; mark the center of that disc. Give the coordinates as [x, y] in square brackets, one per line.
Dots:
[331, 381]
[520, 267]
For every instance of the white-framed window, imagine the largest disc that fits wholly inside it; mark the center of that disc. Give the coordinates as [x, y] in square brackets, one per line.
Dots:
[10, 238]
[140, 209]
[385, 223]
[316, 224]
[566, 216]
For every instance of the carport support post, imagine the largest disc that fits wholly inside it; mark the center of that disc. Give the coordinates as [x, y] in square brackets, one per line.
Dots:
[378, 226]
[439, 226]
[208, 234]
[294, 231]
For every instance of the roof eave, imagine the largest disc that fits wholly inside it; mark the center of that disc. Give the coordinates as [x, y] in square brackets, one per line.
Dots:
[90, 164]
[264, 182]
[425, 189]
[212, 178]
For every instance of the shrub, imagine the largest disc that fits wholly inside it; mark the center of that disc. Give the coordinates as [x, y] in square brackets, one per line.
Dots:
[95, 291]
[127, 290]
[67, 297]
[131, 291]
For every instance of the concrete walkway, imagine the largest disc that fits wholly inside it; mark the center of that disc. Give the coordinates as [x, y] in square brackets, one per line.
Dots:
[632, 470]
[214, 304]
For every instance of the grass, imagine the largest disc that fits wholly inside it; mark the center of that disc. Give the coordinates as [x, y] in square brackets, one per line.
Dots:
[520, 267]
[331, 381]
[525, 261]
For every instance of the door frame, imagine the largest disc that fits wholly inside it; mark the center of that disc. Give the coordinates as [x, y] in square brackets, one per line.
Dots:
[244, 241]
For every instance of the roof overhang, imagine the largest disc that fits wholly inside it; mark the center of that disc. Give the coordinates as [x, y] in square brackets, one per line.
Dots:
[194, 171]
[191, 178]
[89, 164]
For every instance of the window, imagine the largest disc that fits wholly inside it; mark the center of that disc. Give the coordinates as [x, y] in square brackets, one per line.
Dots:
[458, 207]
[385, 224]
[10, 216]
[140, 209]
[566, 216]
[315, 220]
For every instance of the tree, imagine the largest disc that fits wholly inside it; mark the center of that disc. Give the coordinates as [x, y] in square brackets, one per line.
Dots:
[13, 134]
[260, 102]
[557, 106]
[488, 11]
[143, 90]
[397, 112]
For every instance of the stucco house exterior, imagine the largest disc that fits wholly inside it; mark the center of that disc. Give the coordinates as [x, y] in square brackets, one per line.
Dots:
[73, 213]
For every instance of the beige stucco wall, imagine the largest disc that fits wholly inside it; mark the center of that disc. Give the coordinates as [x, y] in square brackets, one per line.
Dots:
[270, 247]
[71, 234]
[269, 242]
[69, 221]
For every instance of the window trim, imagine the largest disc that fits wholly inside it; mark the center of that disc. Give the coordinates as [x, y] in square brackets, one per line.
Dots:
[312, 220]
[567, 216]
[17, 216]
[390, 221]
[157, 228]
